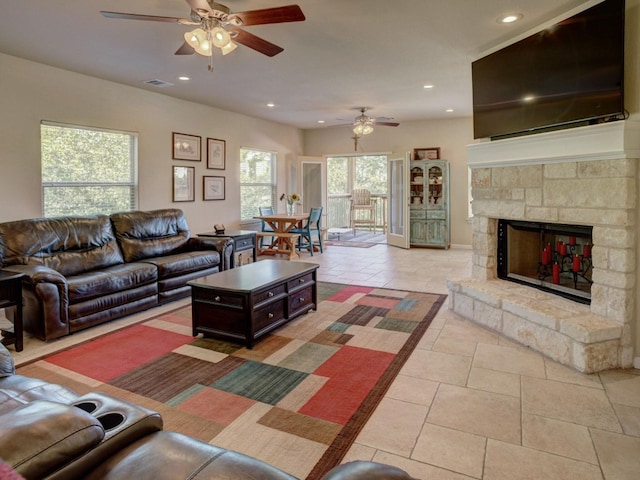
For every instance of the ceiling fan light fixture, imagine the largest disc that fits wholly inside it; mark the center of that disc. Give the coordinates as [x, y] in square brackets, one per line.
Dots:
[363, 125]
[220, 37]
[228, 48]
[198, 39]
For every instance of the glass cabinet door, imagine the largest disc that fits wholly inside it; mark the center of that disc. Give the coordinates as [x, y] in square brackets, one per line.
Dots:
[416, 185]
[435, 186]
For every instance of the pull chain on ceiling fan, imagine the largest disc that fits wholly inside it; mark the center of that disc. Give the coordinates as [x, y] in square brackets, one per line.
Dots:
[218, 27]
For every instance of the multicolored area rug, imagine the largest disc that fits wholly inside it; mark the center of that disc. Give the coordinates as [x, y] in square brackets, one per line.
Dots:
[297, 400]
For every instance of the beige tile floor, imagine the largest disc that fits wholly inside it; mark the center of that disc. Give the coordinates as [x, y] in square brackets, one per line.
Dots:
[470, 403]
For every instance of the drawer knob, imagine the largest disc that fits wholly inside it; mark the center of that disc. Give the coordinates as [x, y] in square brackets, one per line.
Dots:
[217, 298]
[301, 299]
[270, 294]
[270, 315]
[302, 280]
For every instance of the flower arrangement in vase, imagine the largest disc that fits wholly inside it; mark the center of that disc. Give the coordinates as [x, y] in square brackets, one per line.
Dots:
[291, 200]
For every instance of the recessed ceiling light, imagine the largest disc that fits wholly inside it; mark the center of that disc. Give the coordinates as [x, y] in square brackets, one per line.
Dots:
[509, 18]
[427, 86]
[449, 110]
[271, 105]
[320, 121]
[184, 79]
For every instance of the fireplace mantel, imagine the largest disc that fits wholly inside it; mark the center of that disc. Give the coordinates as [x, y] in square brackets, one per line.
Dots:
[594, 142]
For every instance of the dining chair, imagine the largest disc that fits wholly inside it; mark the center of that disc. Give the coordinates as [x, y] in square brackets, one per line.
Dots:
[310, 228]
[265, 226]
[363, 210]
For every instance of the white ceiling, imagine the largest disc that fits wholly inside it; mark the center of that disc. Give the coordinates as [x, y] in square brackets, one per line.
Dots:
[346, 54]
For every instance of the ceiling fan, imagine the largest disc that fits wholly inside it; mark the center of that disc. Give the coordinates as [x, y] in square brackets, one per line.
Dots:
[363, 124]
[218, 27]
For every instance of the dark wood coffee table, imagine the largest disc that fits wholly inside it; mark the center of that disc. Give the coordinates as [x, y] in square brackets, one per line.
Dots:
[246, 303]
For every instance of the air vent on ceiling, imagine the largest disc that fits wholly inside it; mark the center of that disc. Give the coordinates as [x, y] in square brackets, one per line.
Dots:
[158, 83]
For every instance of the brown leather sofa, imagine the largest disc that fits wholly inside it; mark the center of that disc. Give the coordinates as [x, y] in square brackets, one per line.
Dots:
[49, 432]
[83, 271]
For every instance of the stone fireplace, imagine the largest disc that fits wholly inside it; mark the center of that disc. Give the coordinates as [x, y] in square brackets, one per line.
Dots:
[585, 176]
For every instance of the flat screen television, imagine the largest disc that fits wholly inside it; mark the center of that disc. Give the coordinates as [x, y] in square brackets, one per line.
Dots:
[569, 74]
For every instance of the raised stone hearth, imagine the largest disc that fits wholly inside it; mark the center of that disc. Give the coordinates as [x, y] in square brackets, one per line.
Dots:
[579, 176]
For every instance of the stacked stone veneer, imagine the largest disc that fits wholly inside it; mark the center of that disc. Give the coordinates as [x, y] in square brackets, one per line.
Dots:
[591, 187]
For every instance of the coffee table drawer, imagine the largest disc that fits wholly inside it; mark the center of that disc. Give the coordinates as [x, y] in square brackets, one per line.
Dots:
[218, 298]
[269, 315]
[269, 293]
[301, 299]
[301, 281]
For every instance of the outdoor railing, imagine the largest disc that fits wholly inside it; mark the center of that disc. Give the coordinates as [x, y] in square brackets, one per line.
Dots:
[339, 205]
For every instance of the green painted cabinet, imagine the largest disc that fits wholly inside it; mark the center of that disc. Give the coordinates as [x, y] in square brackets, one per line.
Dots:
[429, 216]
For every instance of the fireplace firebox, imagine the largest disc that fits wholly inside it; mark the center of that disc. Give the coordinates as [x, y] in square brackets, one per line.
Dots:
[548, 256]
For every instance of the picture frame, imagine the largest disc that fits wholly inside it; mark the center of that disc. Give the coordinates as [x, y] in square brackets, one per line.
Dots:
[428, 153]
[186, 147]
[216, 153]
[213, 188]
[183, 184]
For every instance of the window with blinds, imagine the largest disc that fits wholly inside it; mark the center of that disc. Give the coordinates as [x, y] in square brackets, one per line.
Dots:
[87, 171]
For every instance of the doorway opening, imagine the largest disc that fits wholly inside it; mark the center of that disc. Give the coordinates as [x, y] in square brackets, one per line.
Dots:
[356, 172]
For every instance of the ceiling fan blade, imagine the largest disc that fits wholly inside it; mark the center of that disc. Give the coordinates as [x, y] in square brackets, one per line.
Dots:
[199, 6]
[387, 124]
[289, 13]
[256, 43]
[134, 16]
[185, 49]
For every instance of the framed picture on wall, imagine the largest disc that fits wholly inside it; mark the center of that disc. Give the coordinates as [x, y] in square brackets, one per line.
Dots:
[430, 153]
[216, 152]
[184, 184]
[186, 147]
[212, 188]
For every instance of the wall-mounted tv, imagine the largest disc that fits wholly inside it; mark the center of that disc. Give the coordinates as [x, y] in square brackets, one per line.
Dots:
[565, 75]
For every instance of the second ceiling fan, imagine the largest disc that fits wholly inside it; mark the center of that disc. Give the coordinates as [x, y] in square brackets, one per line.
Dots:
[218, 27]
[363, 124]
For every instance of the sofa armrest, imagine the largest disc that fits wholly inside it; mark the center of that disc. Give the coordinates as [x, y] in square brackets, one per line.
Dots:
[39, 274]
[45, 293]
[224, 246]
[40, 437]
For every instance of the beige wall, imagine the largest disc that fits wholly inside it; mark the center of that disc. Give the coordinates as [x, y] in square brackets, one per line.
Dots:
[32, 92]
[451, 135]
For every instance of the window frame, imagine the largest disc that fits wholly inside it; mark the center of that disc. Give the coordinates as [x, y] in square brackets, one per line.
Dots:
[132, 184]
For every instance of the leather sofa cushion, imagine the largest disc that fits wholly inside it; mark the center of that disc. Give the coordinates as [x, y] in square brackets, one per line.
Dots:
[17, 390]
[69, 245]
[40, 437]
[150, 234]
[172, 455]
[182, 263]
[110, 280]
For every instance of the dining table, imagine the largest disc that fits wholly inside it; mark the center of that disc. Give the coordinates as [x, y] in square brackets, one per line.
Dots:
[283, 241]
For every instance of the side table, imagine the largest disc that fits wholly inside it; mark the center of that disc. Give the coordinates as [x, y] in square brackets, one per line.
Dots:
[242, 240]
[11, 296]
